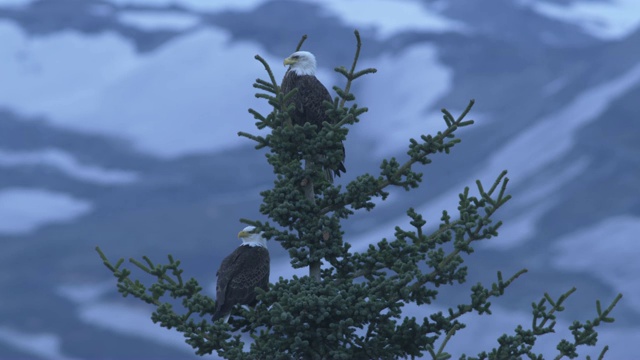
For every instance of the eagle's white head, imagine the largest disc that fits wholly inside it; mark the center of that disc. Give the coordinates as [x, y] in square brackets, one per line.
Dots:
[302, 63]
[251, 237]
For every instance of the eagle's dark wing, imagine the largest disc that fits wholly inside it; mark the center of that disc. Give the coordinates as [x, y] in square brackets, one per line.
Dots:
[309, 105]
[309, 101]
[240, 273]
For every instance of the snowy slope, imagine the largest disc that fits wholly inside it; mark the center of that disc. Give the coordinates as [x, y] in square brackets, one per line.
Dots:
[23, 209]
[608, 20]
[95, 83]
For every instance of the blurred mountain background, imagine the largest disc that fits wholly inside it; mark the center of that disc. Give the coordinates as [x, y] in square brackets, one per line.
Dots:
[118, 123]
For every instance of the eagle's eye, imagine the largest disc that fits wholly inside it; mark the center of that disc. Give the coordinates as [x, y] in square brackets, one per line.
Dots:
[295, 56]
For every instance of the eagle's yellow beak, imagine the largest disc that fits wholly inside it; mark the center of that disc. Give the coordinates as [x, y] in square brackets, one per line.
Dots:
[289, 61]
[243, 234]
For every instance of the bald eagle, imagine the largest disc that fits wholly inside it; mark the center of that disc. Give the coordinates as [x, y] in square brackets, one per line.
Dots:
[241, 272]
[308, 101]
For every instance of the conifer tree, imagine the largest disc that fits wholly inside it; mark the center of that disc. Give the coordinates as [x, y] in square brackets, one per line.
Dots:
[352, 307]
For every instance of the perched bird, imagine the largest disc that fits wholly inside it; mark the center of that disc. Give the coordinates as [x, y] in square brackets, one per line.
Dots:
[308, 101]
[246, 268]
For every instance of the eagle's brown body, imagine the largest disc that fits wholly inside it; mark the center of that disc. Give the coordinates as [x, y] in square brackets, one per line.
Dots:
[240, 273]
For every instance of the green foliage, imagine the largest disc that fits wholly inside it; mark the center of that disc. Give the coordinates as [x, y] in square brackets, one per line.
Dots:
[353, 308]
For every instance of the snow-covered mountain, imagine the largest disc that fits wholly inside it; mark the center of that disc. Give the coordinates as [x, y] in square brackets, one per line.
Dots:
[118, 124]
